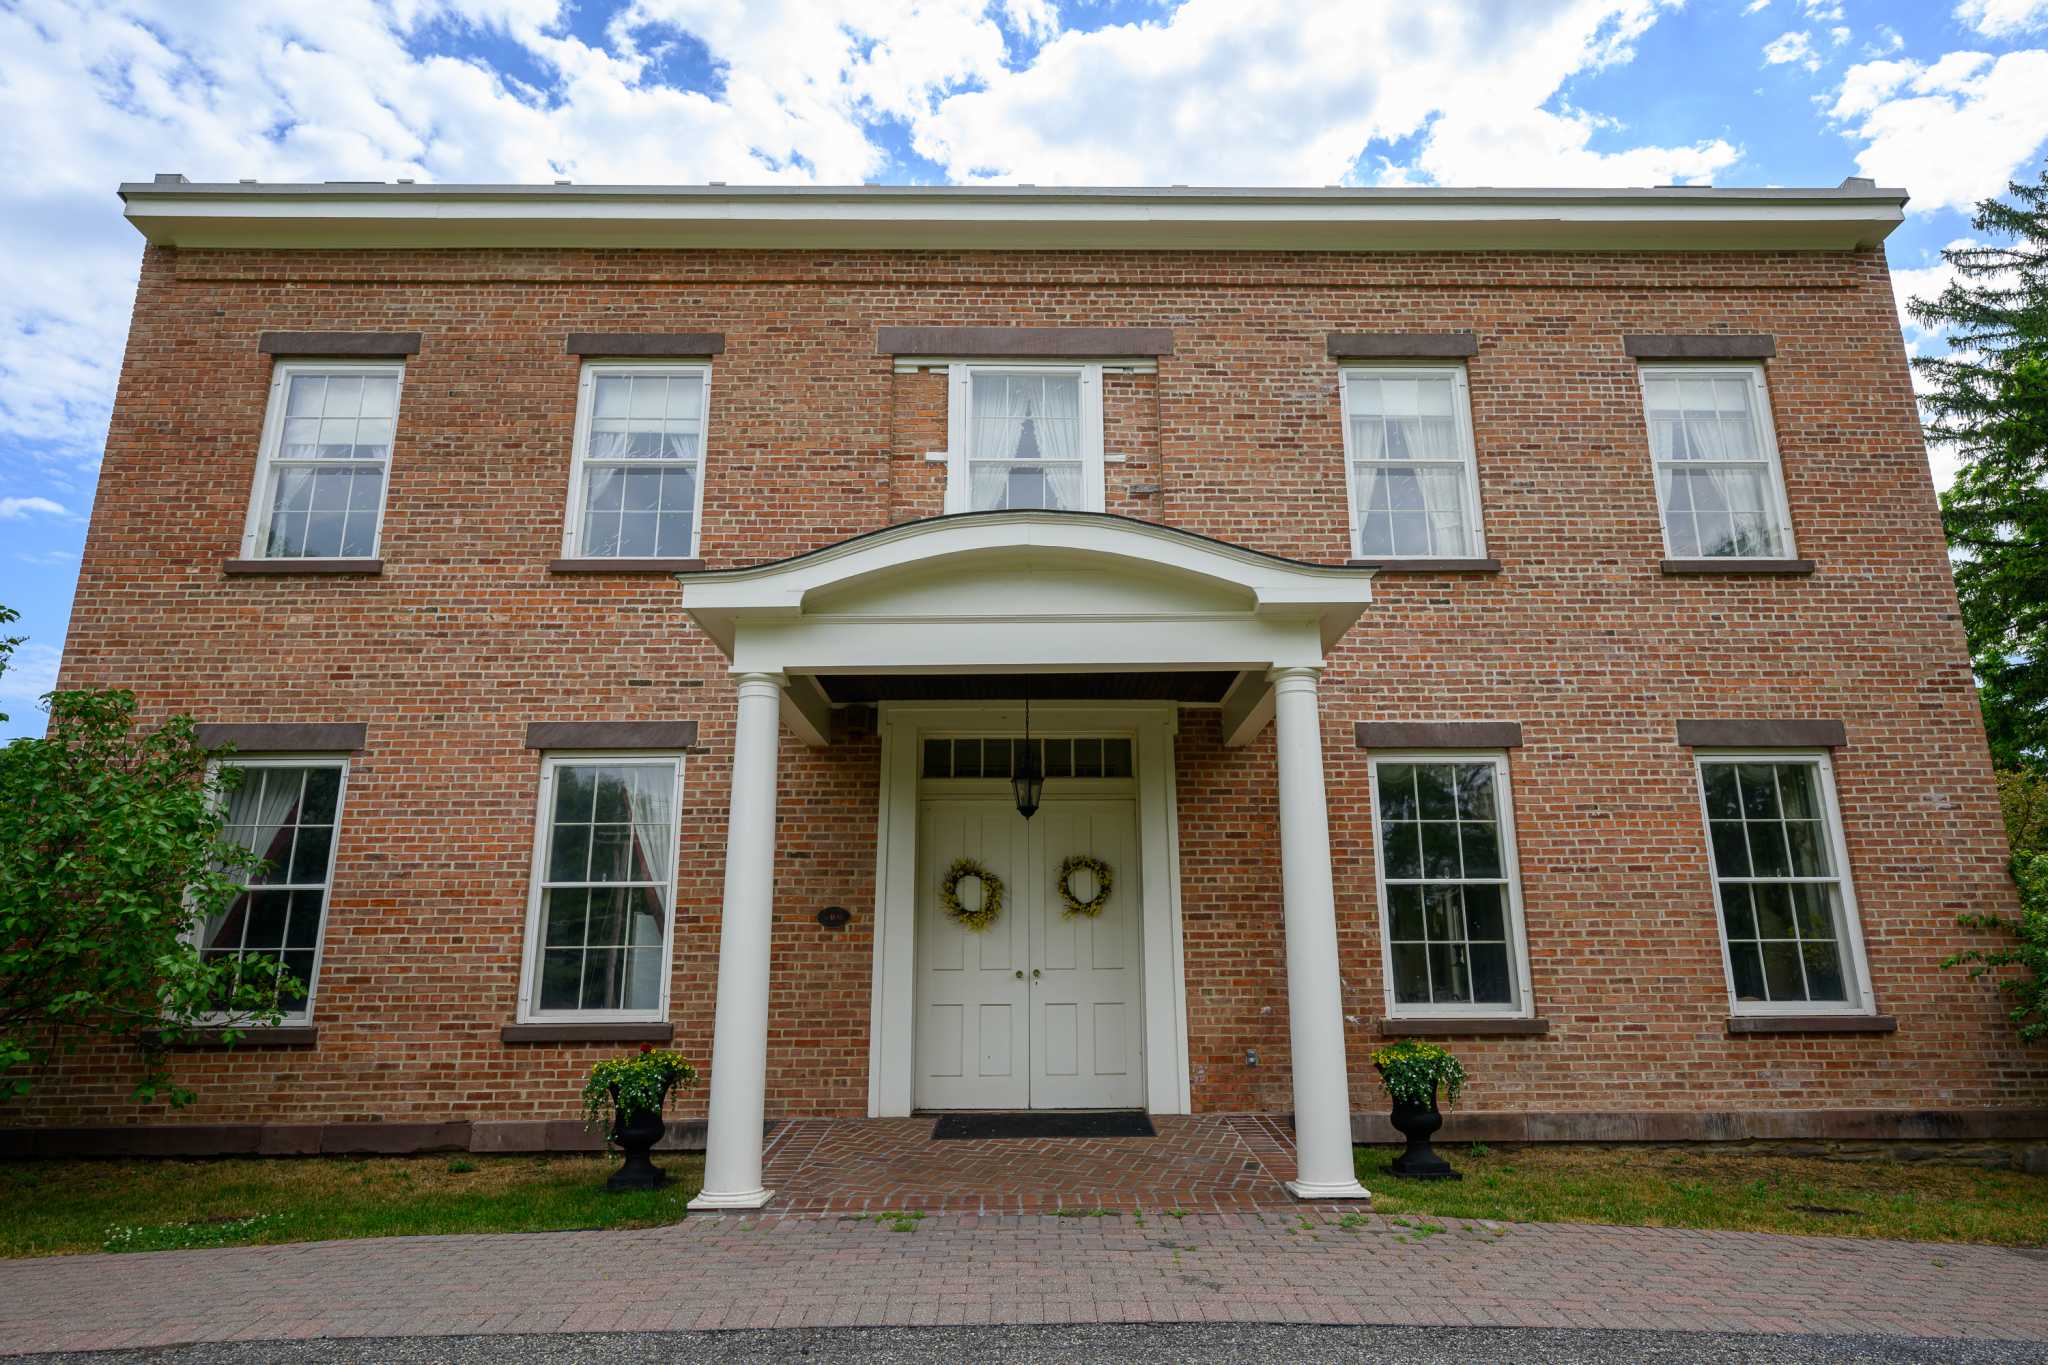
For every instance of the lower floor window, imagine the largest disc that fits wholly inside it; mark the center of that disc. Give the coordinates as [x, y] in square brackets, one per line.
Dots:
[1451, 919]
[604, 887]
[286, 813]
[1778, 876]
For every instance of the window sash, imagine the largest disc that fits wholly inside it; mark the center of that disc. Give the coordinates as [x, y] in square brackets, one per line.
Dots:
[301, 1011]
[1462, 462]
[272, 464]
[583, 540]
[1845, 921]
[1519, 1004]
[542, 882]
[964, 460]
[1773, 511]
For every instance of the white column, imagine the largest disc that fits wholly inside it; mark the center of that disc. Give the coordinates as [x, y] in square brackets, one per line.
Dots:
[739, 1040]
[1315, 1002]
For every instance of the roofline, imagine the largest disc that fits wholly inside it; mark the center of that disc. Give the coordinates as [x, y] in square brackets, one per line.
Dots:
[172, 211]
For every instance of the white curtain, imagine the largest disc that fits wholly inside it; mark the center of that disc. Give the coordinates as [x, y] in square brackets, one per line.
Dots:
[654, 819]
[1059, 434]
[256, 815]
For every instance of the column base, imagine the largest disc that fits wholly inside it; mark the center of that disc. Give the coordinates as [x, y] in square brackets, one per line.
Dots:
[1311, 1193]
[712, 1203]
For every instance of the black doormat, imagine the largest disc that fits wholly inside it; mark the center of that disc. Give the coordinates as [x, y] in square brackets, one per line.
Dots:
[1046, 1124]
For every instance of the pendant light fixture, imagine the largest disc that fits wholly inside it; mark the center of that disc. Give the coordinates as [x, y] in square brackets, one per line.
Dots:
[1028, 779]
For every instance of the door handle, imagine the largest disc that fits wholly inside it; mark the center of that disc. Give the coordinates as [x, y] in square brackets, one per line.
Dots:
[1020, 973]
[1034, 973]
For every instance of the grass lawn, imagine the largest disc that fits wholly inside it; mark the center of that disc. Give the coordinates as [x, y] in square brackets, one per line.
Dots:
[1678, 1188]
[53, 1207]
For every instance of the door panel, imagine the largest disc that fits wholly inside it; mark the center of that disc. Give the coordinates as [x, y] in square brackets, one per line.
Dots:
[1085, 987]
[972, 989]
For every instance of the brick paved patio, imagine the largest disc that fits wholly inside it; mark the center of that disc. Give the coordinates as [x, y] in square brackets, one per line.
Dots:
[783, 1271]
[1206, 1163]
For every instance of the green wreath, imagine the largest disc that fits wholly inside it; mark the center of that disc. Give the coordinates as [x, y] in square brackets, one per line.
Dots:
[1088, 909]
[991, 895]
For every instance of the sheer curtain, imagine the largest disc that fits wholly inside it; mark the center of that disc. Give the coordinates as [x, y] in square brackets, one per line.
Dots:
[1409, 466]
[257, 812]
[654, 815]
[1027, 442]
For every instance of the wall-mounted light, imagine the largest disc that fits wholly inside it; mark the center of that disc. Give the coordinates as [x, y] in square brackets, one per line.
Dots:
[835, 916]
[1029, 781]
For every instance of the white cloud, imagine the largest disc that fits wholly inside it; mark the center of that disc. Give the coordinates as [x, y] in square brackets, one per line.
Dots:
[15, 509]
[1822, 10]
[1952, 133]
[1792, 47]
[47, 559]
[1838, 35]
[31, 672]
[1756, 6]
[2002, 18]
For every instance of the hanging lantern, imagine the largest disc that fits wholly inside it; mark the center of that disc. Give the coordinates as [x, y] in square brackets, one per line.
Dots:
[1028, 781]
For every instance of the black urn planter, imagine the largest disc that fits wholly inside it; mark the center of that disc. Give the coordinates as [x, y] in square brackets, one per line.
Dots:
[1418, 1123]
[636, 1135]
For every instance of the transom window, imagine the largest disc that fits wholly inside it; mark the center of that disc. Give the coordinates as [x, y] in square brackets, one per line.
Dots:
[637, 489]
[1450, 899]
[1780, 880]
[285, 812]
[1025, 437]
[1413, 482]
[996, 756]
[1718, 480]
[604, 888]
[325, 464]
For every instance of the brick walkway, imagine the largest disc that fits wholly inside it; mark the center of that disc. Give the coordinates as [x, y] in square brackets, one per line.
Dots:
[1206, 1163]
[780, 1271]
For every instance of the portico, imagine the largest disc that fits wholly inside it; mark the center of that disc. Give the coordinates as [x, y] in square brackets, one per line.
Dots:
[1111, 623]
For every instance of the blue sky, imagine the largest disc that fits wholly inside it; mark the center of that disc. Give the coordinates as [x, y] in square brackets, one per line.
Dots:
[1948, 98]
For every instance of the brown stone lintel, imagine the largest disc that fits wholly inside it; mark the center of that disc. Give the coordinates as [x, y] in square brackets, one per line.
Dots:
[1477, 1027]
[611, 734]
[647, 345]
[1763, 734]
[1768, 568]
[356, 345]
[1700, 346]
[1427, 565]
[1439, 734]
[1812, 1023]
[587, 1033]
[625, 566]
[1401, 345]
[283, 737]
[285, 1035]
[362, 568]
[1055, 342]
[1849, 1125]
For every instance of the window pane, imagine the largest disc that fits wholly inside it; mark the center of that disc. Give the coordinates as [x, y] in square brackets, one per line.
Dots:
[1450, 973]
[1485, 913]
[1824, 971]
[1404, 912]
[561, 976]
[309, 854]
[1400, 849]
[1748, 968]
[1782, 976]
[1397, 791]
[1482, 849]
[1440, 849]
[1490, 974]
[1411, 974]
[564, 916]
[1433, 788]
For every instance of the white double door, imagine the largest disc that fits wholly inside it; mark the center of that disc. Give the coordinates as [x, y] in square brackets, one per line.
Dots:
[1041, 1010]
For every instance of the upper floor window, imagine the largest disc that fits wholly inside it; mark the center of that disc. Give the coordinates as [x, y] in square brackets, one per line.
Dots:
[603, 893]
[636, 490]
[1025, 436]
[1718, 480]
[326, 459]
[1450, 895]
[1414, 485]
[1788, 912]
[286, 811]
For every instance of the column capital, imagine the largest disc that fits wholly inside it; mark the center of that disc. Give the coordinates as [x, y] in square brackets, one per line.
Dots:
[1294, 677]
[754, 681]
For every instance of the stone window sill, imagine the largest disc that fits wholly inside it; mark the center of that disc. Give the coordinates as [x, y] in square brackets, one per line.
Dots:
[625, 566]
[362, 568]
[1480, 1027]
[285, 1035]
[1785, 568]
[1812, 1023]
[1427, 565]
[588, 1033]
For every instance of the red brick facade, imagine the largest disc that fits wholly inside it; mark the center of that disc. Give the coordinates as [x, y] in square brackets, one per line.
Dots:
[466, 637]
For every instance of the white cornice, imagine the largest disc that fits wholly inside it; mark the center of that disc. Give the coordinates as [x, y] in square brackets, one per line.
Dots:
[174, 212]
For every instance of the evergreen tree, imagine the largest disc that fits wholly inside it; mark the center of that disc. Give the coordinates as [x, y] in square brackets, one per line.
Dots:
[1989, 400]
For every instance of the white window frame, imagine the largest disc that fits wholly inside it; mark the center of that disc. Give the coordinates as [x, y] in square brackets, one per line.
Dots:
[960, 417]
[529, 966]
[1855, 971]
[1767, 441]
[1523, 1005]
[1461, 406]
[256, 526]
[302, 1014]
[586, 394]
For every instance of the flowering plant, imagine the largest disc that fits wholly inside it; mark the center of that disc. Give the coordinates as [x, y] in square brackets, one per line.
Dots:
[628, 1086]
[1413, 1072]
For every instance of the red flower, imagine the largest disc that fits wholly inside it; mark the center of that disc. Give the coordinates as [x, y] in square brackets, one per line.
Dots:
[646, 1048]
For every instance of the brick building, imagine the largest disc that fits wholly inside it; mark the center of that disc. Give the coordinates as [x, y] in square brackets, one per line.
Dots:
[1514, 617]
